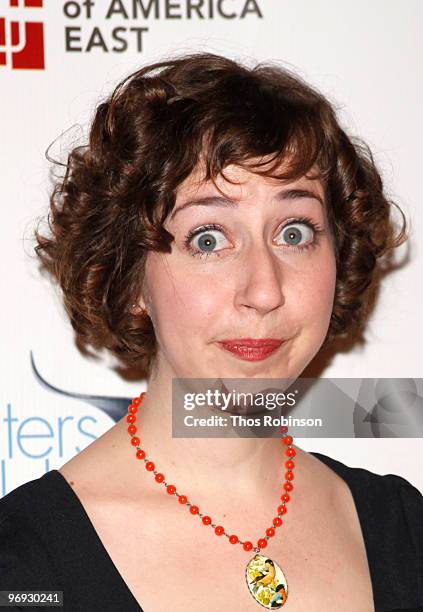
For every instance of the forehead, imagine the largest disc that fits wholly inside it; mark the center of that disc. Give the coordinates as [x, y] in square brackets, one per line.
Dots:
[237, 180]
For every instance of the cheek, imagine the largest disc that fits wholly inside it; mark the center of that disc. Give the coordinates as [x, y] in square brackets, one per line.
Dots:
[317, 293]
[179, 302]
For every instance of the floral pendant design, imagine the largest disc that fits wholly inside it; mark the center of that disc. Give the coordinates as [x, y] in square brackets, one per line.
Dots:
[266, 582]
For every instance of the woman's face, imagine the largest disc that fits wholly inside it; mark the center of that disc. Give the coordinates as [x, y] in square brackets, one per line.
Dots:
[260, 272]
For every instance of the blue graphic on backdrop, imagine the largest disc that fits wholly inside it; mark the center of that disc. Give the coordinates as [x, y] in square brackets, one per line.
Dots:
[39, 438]
[114, 407]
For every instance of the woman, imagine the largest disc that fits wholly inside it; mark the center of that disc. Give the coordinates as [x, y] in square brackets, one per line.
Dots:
[215, 202]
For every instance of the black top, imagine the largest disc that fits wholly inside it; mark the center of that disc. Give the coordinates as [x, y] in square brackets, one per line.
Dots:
[47, 542]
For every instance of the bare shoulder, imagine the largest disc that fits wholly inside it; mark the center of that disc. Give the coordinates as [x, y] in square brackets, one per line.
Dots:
[99, 469]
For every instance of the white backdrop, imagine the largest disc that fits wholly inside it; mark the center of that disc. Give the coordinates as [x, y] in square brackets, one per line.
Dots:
[365, 56]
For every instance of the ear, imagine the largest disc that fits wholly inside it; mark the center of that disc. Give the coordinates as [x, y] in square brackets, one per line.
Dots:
[138, 307]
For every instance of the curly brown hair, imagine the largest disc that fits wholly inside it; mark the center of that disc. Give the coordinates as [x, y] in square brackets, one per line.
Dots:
[109, 208]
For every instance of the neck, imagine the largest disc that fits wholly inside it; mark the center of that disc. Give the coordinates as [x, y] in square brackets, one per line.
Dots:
[230, 469]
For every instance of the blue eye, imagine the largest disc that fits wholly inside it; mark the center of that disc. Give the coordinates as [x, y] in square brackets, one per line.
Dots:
[207, 241]
[294, 233]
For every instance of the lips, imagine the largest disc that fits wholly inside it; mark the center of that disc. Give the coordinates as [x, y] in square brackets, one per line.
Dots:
[254, 343]
[250, 349]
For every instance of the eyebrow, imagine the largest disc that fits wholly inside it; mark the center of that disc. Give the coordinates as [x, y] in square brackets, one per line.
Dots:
[283, 195]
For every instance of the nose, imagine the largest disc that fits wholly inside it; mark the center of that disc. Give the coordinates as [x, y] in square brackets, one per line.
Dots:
[260, 280]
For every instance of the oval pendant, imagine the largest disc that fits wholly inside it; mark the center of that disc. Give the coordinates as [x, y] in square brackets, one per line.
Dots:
[266, 582]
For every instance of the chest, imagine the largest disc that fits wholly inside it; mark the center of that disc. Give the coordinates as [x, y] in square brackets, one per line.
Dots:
[179, 564]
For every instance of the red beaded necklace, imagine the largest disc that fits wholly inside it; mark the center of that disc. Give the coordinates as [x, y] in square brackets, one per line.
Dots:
[265, 579]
